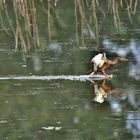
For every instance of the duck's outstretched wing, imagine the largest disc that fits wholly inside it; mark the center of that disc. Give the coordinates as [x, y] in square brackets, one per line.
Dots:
[98, 61]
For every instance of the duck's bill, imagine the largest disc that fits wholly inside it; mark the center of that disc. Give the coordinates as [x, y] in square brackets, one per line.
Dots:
[125, 59]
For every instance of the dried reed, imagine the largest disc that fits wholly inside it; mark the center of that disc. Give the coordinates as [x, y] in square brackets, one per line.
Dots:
[26, 31]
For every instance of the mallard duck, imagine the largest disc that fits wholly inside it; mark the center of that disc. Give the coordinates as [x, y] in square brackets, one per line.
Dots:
[101, 63]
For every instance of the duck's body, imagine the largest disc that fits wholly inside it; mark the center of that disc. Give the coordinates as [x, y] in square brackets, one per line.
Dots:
[101, 64]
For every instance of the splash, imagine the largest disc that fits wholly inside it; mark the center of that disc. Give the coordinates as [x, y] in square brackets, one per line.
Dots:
[57, 77]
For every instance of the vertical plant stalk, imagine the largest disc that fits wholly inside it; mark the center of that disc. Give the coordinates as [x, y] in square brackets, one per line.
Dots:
[128, 10]
[3, 6]
[82, 16]
[96, 21]
[113, 6]
[116, 14]
[135, 6]
[34, 22]
[19, 33]
[49, 19]
[23, 10]
[27, 25]
[2, 24]
[76, 23]
[10, 22]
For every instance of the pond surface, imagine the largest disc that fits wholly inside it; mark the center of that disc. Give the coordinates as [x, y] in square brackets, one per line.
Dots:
[39, 101]
[63, 108]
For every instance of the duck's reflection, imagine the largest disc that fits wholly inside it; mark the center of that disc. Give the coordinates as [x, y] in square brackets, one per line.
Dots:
[102, 89]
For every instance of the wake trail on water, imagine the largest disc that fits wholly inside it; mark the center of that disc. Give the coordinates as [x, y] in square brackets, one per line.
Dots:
[57, 77]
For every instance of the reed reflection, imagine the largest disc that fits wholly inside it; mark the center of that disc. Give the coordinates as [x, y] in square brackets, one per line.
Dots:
[102, 89]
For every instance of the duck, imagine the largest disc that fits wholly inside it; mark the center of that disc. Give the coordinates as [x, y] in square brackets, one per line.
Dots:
[101, 63]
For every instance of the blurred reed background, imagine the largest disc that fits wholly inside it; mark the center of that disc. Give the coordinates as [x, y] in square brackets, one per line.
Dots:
[23, 18]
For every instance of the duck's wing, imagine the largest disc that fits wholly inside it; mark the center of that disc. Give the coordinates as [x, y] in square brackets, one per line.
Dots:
[95, 67]
[101, 63]
[98, 61]
[104, 56]
[97, 58]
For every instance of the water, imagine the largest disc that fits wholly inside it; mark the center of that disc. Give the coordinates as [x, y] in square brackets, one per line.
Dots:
[47, 94]
[60, 107]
